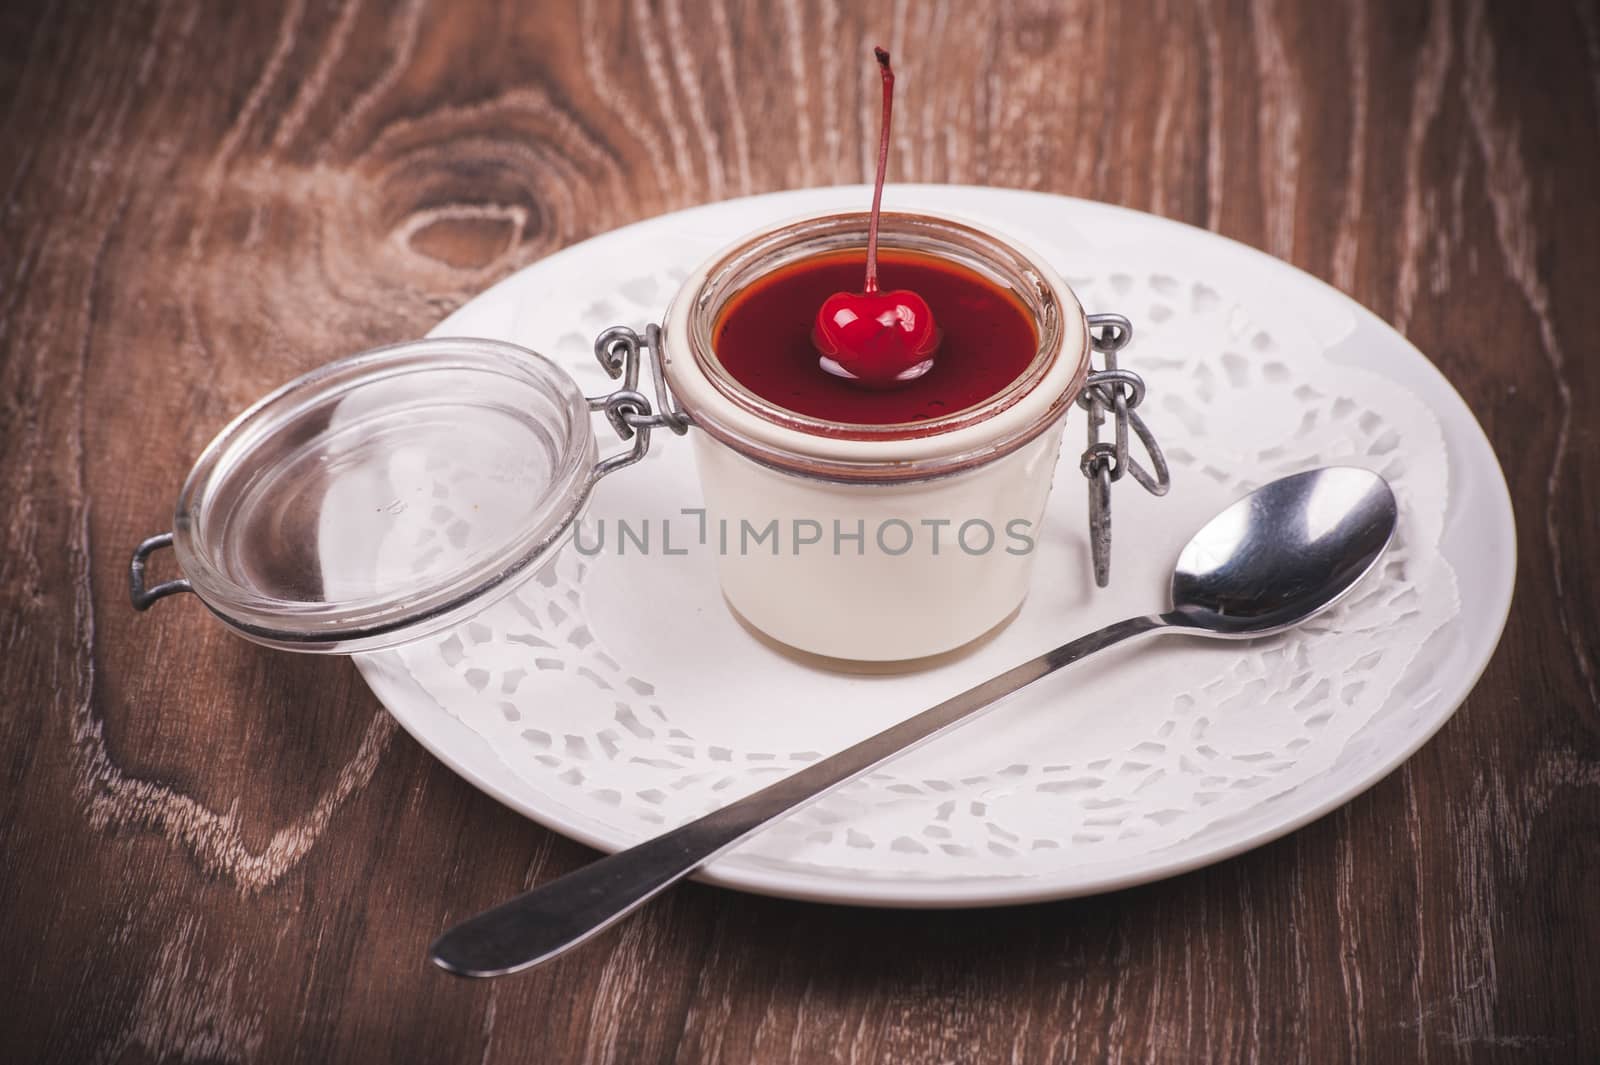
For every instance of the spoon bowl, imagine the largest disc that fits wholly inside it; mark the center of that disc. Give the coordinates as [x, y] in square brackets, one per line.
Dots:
[1286, 551]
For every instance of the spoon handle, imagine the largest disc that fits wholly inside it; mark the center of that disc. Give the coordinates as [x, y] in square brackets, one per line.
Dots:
[554, 917]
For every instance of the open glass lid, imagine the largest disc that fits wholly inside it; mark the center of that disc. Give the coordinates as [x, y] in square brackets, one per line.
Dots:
[383, 497]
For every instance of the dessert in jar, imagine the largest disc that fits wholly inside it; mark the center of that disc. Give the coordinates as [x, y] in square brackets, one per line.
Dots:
[875, 524]
[881, 457]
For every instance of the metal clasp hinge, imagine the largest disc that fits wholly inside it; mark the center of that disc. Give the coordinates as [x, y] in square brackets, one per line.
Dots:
[141, 595]
[1118, 391]
[621, 353]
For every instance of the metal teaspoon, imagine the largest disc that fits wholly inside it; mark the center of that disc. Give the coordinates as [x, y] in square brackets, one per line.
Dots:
[1273, 559]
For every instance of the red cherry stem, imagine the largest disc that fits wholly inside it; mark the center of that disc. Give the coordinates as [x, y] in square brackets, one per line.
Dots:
[883, 165]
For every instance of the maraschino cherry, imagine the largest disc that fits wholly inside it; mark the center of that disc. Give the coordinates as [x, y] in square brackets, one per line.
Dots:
[878, 339]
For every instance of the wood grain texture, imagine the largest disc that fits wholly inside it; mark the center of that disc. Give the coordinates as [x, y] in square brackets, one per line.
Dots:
[213, 852]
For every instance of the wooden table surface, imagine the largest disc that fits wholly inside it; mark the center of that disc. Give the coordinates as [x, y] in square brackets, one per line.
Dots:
[214, 852]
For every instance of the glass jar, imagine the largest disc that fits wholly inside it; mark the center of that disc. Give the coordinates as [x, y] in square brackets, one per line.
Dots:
[923, 530]
[396, 493]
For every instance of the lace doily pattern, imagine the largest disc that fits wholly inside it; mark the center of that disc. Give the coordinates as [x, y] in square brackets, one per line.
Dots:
[618, 685]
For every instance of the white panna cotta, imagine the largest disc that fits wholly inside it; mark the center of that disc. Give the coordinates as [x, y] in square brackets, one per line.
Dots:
[874, 540]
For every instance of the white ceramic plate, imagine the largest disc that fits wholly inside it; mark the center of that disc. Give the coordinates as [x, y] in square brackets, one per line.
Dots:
[1009, 814]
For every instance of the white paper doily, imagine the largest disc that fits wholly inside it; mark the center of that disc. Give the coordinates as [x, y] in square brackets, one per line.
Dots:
[616, 696]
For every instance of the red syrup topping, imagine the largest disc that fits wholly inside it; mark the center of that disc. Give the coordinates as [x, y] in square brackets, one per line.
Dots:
[763, 340]
[876, 339]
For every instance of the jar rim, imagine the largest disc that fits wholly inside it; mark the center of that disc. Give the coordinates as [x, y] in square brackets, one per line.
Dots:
[779, 437]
